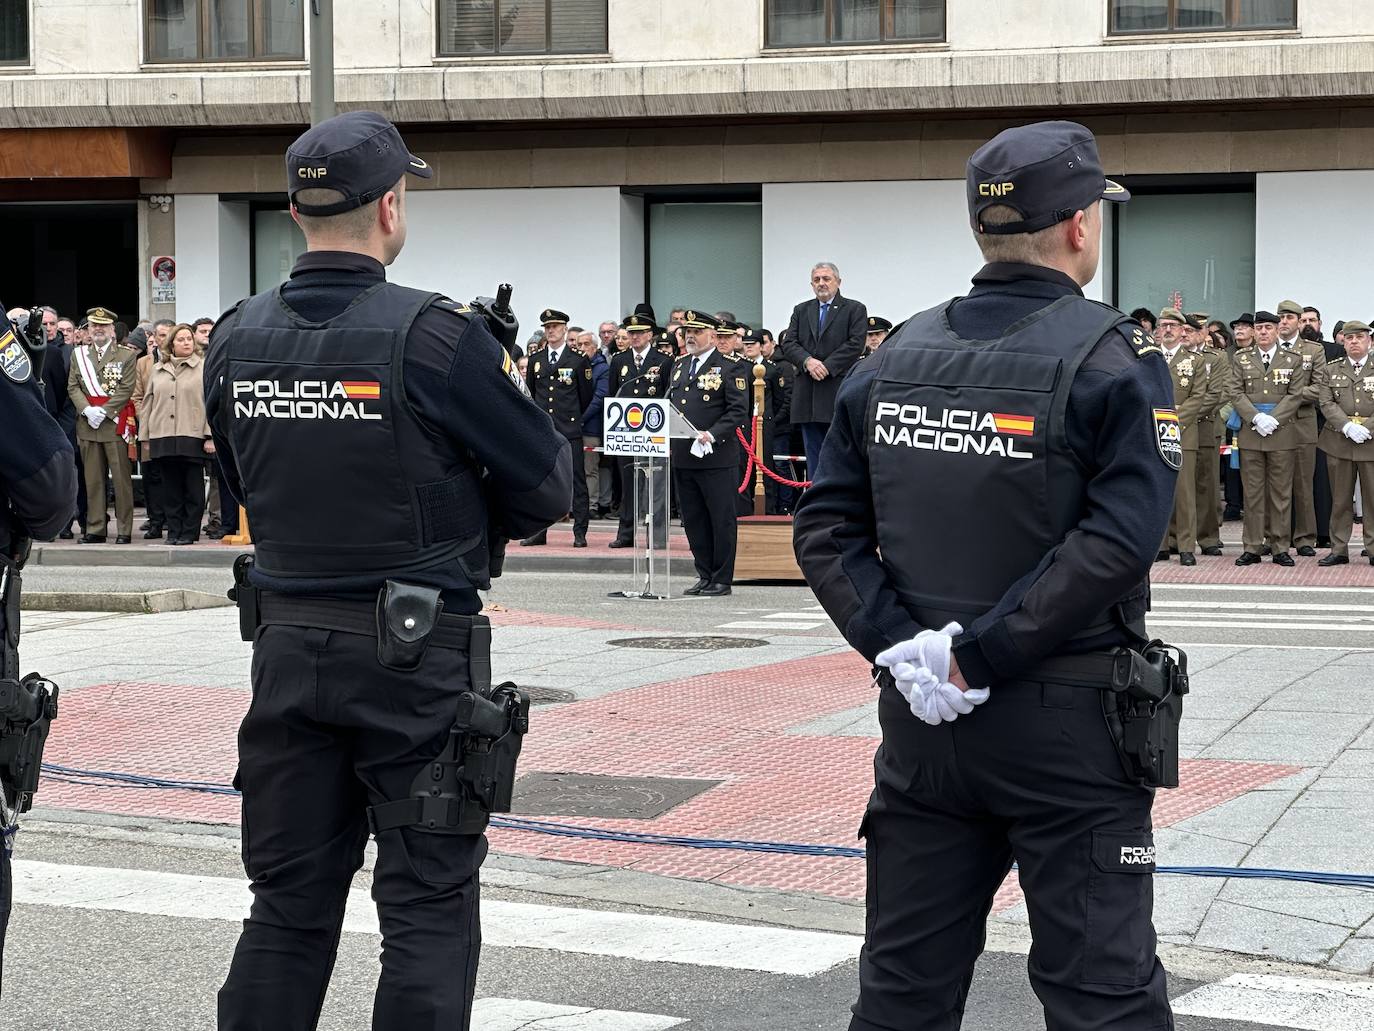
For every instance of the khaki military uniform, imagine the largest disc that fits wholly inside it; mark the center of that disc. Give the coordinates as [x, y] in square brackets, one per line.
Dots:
[1191, 377]
[1266, 463]
[103, 450]
[1210, 434]
[1305, 464]
[1349, 397]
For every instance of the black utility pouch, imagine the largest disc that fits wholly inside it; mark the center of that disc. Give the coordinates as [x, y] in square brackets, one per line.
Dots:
[406, 616]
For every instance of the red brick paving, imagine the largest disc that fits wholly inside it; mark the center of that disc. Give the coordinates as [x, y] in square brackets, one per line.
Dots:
[729, 727]
[1212, 569]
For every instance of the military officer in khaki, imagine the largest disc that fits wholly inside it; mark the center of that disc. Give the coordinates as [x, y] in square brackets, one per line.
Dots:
[1267, 386]
[1210, 433]
[1190, 391]
[1305, 465]
[101, 386]
[1348, 404]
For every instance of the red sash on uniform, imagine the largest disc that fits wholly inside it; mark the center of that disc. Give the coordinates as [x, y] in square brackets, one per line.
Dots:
[125, 421]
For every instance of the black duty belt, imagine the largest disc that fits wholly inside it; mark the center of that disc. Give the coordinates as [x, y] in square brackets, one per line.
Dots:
[358, 617]
[1091, 670]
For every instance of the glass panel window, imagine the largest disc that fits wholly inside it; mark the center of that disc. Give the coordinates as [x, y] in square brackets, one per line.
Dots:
[225, 30]
[804, 23]
[1134, 16]
[14, 32]
[521, 27]
[277, 243]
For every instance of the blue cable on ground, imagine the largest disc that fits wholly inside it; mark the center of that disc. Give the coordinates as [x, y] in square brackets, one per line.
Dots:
[113, 779]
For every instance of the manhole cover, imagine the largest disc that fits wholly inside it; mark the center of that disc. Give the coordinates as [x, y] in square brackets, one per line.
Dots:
[687, 644]
[547, 695]
[589, 794]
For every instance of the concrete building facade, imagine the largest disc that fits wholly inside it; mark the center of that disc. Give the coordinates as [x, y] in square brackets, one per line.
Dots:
[598, 152]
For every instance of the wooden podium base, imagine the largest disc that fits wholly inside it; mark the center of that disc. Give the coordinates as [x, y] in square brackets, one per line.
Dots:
[765, 550]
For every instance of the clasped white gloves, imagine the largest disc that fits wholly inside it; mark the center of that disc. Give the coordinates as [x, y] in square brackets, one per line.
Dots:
[1357, 433]
[920, 669]
[95, 416]
[1264, 423]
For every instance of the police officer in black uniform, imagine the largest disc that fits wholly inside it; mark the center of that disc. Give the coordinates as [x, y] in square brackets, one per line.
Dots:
[777, 401]
[561, 382]
[709, 388]
[37, 495]
[1040, 425]
[382, 443]
[641, 370]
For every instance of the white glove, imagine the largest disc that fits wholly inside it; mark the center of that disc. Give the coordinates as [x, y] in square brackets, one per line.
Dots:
[1357, 433]
[95, 416]
[1264, 423]
[920, 670]
[701, 449]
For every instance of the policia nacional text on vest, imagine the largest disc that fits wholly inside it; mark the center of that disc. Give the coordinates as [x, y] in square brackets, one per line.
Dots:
[1001, 453]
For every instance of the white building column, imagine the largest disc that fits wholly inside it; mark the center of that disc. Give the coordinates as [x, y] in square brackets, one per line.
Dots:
[212, 254]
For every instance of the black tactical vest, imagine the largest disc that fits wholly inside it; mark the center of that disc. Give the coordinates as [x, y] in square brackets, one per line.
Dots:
[973, 478]
[341, 478]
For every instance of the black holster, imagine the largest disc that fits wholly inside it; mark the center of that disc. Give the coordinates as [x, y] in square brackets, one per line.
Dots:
[1143, 708]
[245, 596]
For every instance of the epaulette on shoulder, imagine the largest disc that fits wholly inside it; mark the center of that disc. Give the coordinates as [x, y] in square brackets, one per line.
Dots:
[1336, 361]
[451, 306]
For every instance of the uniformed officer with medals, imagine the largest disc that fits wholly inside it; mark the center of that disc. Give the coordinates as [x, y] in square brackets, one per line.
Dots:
[643, 371]
[1268, 383]
[1348, 406]
[37, 496]
[710, 390]
[101, 384]
[1314, 362]
[1190, 380]
[1025, 715]
[385, 448]
[1215, 371]
[560, 381]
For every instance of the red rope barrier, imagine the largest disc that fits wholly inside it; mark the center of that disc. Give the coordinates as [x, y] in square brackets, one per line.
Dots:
[754, 460]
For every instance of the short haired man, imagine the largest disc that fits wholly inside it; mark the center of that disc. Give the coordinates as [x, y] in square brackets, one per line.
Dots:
[101, 385]
[1345, 439]
[1305, 487]
[1267, 388]
[823, 339]
[641, 371]
[593, 423]
[201, 329]
[162, 329]
[607, 331]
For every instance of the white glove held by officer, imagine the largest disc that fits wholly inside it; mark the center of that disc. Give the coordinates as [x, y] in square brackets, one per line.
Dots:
[1357, 433]
[1264, 423]
[95, 416]
[920, 670]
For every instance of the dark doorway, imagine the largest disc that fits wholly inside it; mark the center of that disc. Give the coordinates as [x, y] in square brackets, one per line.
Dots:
[71, 256]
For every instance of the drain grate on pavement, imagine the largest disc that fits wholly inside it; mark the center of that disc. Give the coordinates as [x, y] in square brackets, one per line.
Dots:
[547, 695]
[687, 644]
[589, 794]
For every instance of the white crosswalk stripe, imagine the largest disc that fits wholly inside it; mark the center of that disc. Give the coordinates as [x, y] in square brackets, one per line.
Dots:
[1330, 611]
[809, 618]
[524, 1015]
[1304, 1003]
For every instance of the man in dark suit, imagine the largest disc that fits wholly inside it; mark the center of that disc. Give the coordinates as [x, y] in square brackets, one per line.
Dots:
[560, 381]
[57, 367]
[641, 370]
[708, 387]
[823, 340]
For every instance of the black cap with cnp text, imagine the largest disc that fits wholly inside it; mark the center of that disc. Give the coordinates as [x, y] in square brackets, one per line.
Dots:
[359, 154]
[1045, 172]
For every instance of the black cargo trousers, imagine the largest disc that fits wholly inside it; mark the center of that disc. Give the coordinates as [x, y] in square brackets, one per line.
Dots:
[1031, 775]
[329, 732]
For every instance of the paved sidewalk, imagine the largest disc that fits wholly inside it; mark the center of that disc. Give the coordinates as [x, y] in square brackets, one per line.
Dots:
[777, 740]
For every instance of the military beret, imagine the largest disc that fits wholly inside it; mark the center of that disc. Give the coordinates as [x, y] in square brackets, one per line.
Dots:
[1355, 326]
[1198, 319]
[1266, 316]
[700, 320]
[100, 316]
[1244, 319]
[552, 316]
[878, 324]
[1173, 315]
[1290, 308]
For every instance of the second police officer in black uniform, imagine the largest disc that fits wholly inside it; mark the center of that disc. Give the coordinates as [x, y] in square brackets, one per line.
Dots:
[37, 496]
[561, 382]
[1036, 426]
[380, 439]
[709, 388]
[641, 370]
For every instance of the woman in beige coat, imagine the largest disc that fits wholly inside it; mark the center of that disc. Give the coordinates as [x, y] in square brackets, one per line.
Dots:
[178, 437]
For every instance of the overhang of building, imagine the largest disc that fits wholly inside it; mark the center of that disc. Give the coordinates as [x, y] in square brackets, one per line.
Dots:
[95, 152]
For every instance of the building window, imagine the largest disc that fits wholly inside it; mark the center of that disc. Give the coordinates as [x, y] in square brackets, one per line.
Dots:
[1137, 16]
[225, 30]
[809, 23]
[521, 27]
[14, 32]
